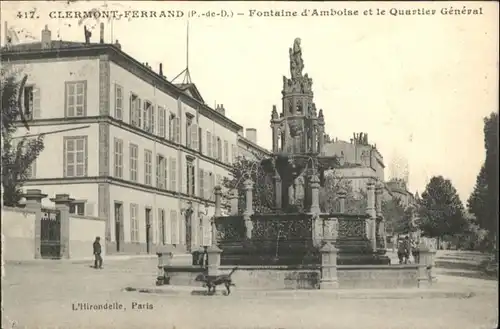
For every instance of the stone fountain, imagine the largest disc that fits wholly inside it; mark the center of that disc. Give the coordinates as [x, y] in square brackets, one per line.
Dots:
[295, 230]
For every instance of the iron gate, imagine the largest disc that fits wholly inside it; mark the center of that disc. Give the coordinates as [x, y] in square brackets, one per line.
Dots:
[50, 238]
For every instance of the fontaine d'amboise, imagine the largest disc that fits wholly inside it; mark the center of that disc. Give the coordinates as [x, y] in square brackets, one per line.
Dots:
[296, 229]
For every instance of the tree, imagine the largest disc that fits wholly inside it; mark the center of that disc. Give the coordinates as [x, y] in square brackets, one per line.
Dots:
[441, 213]
[477, 202]
[355, 201]
[18, 154]
[263, 192]
[483, 202]
[395, 216]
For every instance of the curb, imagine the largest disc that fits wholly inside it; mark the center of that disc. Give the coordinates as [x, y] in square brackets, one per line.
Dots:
[331, 294]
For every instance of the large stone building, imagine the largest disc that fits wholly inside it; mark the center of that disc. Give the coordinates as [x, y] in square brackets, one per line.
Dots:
[124, 142]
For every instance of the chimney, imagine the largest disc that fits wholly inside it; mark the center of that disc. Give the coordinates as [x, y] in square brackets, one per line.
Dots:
[46, 38]
[161, 70]
[251, 135]
[222, 110]
[117, 44]
[101, 35]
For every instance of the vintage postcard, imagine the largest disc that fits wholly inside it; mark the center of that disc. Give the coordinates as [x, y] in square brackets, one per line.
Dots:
[181, 164]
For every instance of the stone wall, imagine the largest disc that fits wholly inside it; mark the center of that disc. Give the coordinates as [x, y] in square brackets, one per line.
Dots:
[82, 231]
[18, 234]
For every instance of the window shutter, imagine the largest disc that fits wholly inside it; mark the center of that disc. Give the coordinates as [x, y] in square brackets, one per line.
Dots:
[234, 154]
[65, 157]
[201, 180]
[209, 143]
[138, 112]
[152, 126]
[89, 209]
[212, 187]
[206, 185]
[131, 115]
[173, 169]
[158, 171]
[214, 147]
[194, 137]
[226, 152]
[174, 229]
[165, 173]
[36, 103]
[177, 130]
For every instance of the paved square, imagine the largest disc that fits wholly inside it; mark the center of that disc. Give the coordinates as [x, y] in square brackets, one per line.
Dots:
[43, 295]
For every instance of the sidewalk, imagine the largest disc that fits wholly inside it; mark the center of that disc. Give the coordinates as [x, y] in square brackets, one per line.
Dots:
[83, 260]
[408, 293]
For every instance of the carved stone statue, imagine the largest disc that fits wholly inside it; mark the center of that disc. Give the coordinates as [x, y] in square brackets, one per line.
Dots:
[296, 62]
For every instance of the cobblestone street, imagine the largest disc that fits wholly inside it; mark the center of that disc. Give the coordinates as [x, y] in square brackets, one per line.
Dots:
[41, 295]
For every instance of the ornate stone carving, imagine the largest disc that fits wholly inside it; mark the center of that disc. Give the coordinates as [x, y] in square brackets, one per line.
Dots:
[296, 61]
[351, 228]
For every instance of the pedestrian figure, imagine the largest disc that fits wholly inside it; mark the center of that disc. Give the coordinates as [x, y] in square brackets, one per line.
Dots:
[404, 251]
[97, 253]
[414, 251]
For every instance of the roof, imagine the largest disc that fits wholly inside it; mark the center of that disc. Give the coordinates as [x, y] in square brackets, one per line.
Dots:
[30, 46]
[59, 48]
[190, 90]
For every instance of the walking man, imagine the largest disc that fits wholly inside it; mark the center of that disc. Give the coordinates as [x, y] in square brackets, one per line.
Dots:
[97, 253]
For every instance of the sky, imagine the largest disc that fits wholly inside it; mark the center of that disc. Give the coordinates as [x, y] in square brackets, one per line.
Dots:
[418, 85]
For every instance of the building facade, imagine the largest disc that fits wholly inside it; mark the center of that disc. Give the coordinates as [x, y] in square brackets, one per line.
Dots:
[128, 145]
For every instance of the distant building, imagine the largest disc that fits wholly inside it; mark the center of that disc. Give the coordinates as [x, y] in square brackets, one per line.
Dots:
[360, 161]
[148, 153]
[248, 147]
[399, 189]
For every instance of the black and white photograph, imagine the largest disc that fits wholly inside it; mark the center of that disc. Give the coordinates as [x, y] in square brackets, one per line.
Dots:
[249, 164]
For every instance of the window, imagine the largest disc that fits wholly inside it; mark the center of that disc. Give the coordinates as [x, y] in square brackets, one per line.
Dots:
[226, 152]
[75, 156]
[148, 167]
[135, 111]
[118, 158]
[190, 174]
[219, 149]
[76, 99]
[134, 223]
[206, 184]
[174, 128]
[211, 185]
[28, 101]
[174, 227]
[161, 227]
[148, 117]
[209, 143]
[161, 172]
[173, 174]
[162, 122]
[234, 155]
[189, 123]
[134, 159]
[118, 102]
[77, 208]
[214, 147]
[201, 185]
[200, 139]
[31, 102]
